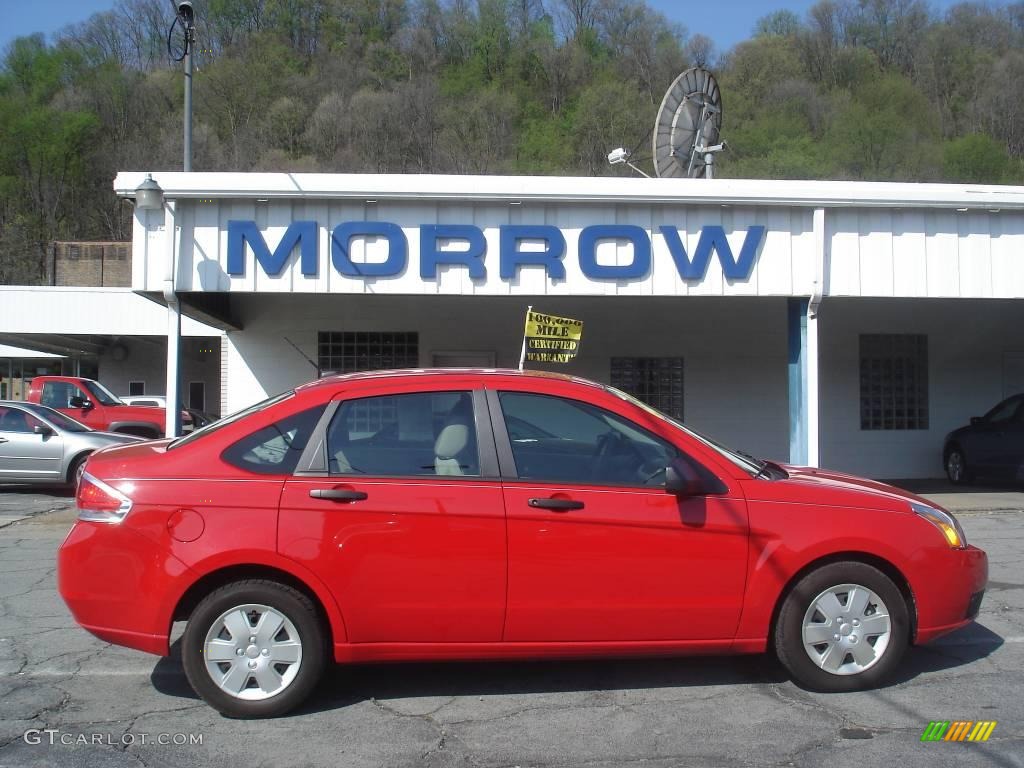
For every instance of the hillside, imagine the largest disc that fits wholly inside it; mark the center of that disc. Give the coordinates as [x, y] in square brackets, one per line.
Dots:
[859, 89]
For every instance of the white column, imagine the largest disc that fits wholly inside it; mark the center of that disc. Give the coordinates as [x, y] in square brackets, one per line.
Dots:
[820, 276]
[173, 414]
[813, 453]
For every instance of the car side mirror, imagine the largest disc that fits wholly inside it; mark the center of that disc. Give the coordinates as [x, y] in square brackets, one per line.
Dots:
[975, 420]
[684, 477]
[681, 479]
[42, 429]
[80, 402]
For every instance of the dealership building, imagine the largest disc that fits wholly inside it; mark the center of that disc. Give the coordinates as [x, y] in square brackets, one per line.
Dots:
[844, 324]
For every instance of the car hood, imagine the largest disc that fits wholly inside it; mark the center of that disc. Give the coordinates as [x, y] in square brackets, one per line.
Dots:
[828, 488]
[148, 413]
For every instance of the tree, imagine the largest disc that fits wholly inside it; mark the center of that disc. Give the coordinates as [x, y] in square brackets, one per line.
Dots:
[975, 158]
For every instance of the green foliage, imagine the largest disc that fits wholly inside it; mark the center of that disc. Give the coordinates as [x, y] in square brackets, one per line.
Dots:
[866, 89]
[976, 158]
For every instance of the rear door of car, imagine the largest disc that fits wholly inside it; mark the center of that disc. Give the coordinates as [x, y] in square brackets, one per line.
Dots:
[598, 549]
[25, 455]
[398, 507]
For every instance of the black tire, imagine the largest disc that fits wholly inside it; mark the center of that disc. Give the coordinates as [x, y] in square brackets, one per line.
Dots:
[290, 603]
[75, 471]
[964, 476]
[789, 645]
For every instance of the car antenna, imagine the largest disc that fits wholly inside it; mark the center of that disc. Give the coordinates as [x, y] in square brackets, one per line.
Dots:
[304, 356]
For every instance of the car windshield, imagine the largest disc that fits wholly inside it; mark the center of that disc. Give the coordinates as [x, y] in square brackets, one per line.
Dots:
[56, 418]
[101, 394]
[744, 462]
[214, 426]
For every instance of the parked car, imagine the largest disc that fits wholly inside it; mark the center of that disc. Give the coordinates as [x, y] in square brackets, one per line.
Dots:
[151, 401]
[41, 445]
[495, 514]
[91, 403]
[991, 445]
[195, 420]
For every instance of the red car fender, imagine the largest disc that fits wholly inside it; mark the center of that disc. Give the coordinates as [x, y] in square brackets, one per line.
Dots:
[775, 562]
[258, 559]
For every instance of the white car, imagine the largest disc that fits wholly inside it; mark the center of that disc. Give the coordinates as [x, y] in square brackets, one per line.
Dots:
[156, 401]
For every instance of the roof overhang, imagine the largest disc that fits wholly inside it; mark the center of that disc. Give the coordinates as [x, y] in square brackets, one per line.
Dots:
[552, 189]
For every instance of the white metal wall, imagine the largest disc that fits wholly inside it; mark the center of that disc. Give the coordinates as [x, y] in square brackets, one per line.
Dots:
[87, 311]
[881, 252]
[734, 351]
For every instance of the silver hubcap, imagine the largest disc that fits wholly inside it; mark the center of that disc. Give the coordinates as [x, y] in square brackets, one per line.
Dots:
[847, 629]
[252, 652]
[955, 466]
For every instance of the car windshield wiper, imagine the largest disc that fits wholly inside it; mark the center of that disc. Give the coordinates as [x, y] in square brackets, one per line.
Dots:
[759, 463]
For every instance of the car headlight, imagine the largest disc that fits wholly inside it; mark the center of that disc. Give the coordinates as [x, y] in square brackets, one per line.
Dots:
[945, 522]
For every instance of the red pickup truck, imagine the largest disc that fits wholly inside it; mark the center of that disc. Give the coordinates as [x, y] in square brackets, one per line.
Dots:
[94, 405]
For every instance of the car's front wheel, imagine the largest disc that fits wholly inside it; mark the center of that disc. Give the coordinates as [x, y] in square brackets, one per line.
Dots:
[956, 466]
[842, 627]
[254, 648]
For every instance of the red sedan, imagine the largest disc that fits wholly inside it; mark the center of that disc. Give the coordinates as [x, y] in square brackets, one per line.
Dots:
[495, 514]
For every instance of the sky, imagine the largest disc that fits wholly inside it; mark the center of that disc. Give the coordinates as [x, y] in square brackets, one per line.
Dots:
[726, 22]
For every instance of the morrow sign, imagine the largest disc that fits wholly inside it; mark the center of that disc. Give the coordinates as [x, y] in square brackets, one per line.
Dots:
[548, 250]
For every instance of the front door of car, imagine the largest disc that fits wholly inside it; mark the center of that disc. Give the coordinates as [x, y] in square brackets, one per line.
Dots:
[405, 520]
[1008, 443]
[64, 396]
[990, 444]
[598, 550]
[25, 455]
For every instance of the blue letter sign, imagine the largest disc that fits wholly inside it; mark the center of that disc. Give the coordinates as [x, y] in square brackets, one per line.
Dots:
[712, 238]
[304, 235]
[301, 233]
[640, 265]
[550, 258]
[398, 248]
[431, 256]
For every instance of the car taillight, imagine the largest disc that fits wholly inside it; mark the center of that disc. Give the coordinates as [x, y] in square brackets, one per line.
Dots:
[99, 502]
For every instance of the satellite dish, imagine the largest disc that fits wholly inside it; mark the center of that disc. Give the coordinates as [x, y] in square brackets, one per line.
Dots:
[687, 127]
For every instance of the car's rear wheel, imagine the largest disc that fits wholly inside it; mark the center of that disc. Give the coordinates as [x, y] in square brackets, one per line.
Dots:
[254, 648]
[956, 466]
[75, 472]
[842, 627]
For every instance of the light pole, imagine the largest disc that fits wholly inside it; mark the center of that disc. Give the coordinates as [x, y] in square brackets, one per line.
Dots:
[149, 196]
[187, 18]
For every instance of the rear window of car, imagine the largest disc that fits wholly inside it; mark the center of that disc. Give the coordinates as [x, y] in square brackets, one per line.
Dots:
[209, 429]
[275, 449]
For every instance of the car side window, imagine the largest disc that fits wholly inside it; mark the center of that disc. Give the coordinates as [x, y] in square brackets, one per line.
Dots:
[421, 433]
[16, 420]
[558, 440]
[275, 449]
[58, 394]
[1005, 411]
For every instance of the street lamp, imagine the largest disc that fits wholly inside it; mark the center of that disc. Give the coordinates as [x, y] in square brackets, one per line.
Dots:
[148, 195]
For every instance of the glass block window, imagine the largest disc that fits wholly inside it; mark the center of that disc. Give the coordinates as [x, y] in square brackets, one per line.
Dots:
[658, 381]
[894, 381]
[350, 351]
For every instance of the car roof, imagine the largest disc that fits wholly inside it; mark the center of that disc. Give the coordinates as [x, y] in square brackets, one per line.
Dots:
[411, 373]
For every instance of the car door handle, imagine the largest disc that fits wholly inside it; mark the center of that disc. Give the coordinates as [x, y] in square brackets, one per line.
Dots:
[337, 494]
[556, 505]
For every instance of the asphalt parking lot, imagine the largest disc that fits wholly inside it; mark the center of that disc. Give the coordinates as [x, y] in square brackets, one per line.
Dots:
[68, 699]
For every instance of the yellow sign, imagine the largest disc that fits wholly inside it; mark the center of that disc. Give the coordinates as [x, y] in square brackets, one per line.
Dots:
[551, 339]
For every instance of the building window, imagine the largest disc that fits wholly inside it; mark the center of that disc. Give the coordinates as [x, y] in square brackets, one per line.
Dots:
[349, 351]
[894, 381]
[136, 388]
[658, 381]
